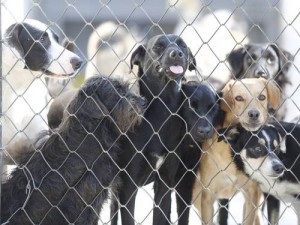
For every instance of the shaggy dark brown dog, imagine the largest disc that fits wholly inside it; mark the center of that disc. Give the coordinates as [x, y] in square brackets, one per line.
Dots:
[67, 178]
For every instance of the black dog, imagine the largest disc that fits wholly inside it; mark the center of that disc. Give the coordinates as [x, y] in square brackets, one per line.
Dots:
[271, 157]
[261, 60]
[201, 112]
[67, 178]
[151, 151]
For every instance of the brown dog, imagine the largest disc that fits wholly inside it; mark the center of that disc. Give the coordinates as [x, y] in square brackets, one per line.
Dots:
[245, 102]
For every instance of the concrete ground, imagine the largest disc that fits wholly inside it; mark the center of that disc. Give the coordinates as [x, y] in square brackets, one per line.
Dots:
[143, 212]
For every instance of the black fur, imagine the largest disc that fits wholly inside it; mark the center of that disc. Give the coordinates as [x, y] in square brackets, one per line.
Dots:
[286, 163]
[201, 112]
[67, 178]
[159, 134]
[252, 61]
[33, 45]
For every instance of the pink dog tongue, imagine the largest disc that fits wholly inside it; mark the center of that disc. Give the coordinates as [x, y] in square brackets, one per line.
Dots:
[176, 69]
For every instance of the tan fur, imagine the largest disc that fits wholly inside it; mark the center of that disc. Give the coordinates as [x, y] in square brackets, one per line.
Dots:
[218, 176]
[249, 89]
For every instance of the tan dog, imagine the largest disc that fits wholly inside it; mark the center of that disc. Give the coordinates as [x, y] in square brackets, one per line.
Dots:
[246, 102]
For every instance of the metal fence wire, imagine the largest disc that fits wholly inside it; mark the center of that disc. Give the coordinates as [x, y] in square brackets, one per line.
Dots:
[150, 112]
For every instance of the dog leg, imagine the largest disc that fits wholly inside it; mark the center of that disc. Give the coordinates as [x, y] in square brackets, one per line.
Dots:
[127, 197]
[114, 209]
[162, 199]
[223, 211]
[184, 190]
[185, 180]
[273, 206]
[253, 199]
[207, 207]
[197, 195]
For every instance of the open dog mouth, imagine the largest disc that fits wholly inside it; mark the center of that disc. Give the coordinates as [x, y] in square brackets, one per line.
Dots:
[275, 176]
[174, 70]
[51, 74]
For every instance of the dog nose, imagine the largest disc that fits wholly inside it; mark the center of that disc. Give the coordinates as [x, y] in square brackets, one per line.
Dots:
[253, 114]
[278, 168]
[203, 131]
[176, 54]
[260, 73]
[76, 63]
[143, 102]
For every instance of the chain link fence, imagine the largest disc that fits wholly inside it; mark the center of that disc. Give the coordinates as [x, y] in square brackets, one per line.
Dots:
[86, 152]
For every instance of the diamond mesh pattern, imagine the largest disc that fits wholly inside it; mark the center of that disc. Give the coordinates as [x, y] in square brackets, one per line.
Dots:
[100, 125]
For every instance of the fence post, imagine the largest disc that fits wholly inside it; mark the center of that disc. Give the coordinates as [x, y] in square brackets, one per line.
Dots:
[1, 114]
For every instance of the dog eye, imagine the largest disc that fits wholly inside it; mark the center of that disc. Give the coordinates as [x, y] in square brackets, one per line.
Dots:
[239, 98]
[43, 38]
[258, 149]
[254, 57]
[270, 60]
[261, 97]
[183, 45]
[249, 60]
[158, 46]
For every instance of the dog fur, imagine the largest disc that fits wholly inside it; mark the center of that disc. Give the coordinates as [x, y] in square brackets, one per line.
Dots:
[270, 156]
[268, 61]
[30, 50]
[161, 63]
[67, 178]
[245, 102]
[201, 113]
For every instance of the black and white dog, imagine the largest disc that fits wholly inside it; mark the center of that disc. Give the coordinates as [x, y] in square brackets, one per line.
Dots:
[270, 156]
[30, 50]
[67, 178]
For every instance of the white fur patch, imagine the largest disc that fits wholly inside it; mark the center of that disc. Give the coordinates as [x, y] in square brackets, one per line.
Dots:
[60, 58]
[37, 24]
[159, 162]
[275, 143]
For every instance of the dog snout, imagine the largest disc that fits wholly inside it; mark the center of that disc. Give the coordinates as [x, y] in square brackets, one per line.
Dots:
[76, 63]
[253, 114]
[278, 168]
[260, 73]
[204, 131]
[143, 102]
[175, 54]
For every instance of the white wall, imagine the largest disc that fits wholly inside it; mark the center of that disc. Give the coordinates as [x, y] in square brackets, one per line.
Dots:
[290, 40]
[11, 12]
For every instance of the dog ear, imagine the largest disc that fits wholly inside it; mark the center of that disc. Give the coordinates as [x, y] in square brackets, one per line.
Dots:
[192, 61]
[91, 106]
[228, 134]
[285, 58]
[235, 59]
[284, 129]
[227, 99]
[12, 37]
[137, 56]
[274, 93]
